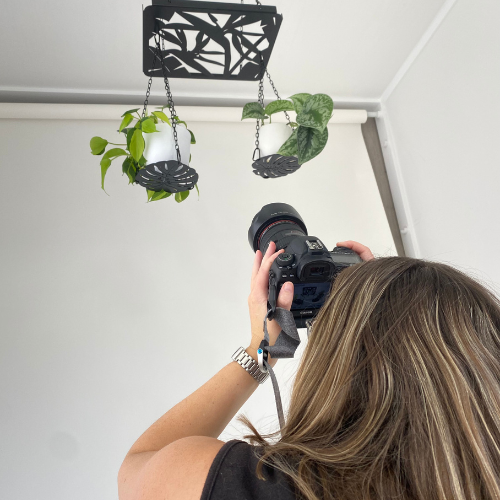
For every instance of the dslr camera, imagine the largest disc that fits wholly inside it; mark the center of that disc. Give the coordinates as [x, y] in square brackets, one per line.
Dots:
[306, 262]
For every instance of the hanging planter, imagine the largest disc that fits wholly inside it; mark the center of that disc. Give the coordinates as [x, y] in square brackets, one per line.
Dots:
[283, 148]
[157, 148]
[150, 140]
[161, 146]
[272, 137]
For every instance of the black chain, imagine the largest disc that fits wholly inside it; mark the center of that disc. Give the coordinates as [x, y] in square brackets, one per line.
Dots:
[278, 96]
[257, 127]
[148, 91]
[261, 102]
[170, 100]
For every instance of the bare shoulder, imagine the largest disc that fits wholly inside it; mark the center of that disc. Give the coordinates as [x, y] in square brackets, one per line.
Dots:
[179, 470]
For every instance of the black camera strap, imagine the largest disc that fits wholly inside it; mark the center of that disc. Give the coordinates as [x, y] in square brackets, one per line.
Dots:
[285, 346]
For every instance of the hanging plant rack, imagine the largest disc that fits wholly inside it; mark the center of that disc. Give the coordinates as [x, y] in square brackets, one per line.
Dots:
[209, 40]
[198, 40]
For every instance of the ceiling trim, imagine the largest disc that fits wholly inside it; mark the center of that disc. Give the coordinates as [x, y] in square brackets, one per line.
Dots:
[429, 32]
[131, 97]
[397, 185]
[44, 111]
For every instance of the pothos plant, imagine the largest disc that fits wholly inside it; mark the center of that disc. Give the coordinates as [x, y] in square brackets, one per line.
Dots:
[134, 148]
[310, 131]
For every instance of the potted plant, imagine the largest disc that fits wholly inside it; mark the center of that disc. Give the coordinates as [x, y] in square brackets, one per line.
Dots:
[149, 139]
[305, 138]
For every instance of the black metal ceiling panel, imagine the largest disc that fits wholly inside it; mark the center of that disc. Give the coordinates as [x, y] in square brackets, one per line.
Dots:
[209, 40]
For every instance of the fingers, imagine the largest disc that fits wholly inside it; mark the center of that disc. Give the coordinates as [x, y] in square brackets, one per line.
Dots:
[267, 260]
[285, 297]
[364, 252]
[262, 277]
[270, 249]
[256, 264]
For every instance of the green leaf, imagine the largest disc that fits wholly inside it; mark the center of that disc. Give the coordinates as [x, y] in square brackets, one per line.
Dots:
[130, 111]
[114, 153]
[157, 195]
[310, 142]
[107, 159]
[137, 145]
[148, 126]
[130, 133]
[290, 148]
[299, 100]
[277, 106]
[126, 120]
[293, 124]
[196, 186]
[180, 121]
[193, 140]
[98, 145]
[162, 116]
[162, 194]
[142, 161]
[316, 112]
[129, 169]
[105, 164]
[253, 110]
[181, 196]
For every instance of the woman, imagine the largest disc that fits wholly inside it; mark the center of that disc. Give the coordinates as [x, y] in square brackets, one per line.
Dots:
[397, 396]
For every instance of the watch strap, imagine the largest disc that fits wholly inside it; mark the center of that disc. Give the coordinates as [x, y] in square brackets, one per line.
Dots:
[249, 364]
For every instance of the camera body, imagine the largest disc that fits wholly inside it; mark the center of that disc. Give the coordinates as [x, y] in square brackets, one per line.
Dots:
[312, 269]
[306, 261]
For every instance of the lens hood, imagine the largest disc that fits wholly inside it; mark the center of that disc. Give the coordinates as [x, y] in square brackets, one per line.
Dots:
[267, 216]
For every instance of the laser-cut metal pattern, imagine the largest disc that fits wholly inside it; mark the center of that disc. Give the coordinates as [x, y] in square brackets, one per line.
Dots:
[210, 40]
[272, 166]
[170, 176]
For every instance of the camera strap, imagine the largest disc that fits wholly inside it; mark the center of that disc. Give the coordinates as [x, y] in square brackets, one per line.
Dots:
[285, 346]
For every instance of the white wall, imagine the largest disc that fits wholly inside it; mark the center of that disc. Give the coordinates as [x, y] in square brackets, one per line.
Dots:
[113, 310]
[444, 120]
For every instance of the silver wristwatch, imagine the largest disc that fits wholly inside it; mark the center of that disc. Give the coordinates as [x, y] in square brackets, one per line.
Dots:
[250, 365]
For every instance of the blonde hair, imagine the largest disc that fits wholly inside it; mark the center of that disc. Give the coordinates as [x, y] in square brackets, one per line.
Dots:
[398, 391]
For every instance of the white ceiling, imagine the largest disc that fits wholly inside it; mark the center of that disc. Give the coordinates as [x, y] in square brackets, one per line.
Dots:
[91, 51]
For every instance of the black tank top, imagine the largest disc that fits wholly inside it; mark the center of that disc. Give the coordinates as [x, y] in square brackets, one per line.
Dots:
[232, 476]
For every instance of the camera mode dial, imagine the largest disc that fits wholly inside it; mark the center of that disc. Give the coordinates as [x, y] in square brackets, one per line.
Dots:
[285, 259]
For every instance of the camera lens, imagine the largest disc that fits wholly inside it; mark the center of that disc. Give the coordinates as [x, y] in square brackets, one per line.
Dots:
[276, 222]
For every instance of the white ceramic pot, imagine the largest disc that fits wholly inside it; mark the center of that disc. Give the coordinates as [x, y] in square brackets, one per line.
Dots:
[160, 146]
[272, 136]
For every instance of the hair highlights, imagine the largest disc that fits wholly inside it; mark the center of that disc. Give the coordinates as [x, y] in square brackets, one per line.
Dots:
[398, 392]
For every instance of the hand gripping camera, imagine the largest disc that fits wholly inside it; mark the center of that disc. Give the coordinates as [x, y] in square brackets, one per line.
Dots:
[306, 261]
